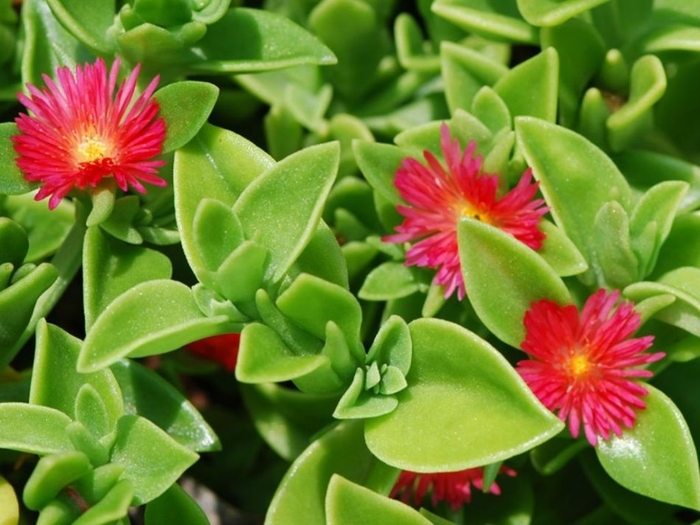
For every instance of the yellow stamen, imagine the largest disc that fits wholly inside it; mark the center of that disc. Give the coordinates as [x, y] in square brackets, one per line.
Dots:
[470, 211]
[91, 149]
[579, 365]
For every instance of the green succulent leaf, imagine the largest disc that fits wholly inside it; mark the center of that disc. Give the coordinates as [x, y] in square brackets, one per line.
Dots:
[33, 429]
[152, 460]
[656, 457]
[246, 40]
[281, 209]
[571, 169]
[174, 507]
[89, 23]
[151, 318]
[185, 106]
[392, 345]
[359, 403]
[56, 384]
[390, 280]
[553, 12]
[341, 450]
[503, 278]
[217, 164]
[111, 267]
[379, 163]
[348, 503]
[148, 395]
[614, 258]
[559, 252]
[113, 506]
[8, 504]
[51, 474]
[461, 385]
[531, 88]
[14, 241]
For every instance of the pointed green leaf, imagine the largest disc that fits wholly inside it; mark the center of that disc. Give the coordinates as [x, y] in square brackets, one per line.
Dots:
[497, 21]
[358, 403]
[113, 506]
[90, 23]
[559, 252]
[111, 267]
[185, 106]
[152, 460]
[571, 169]
[147, 394]
[613, 256]
[392, 345]
[554, 12]
[491, 110]
[281, 209]
[503, 278]
[656, 457]
[57, 384]
[349, 504]
[340, 450]
[174, 507]
[217, 164]
[149, 319]
[379, 163]
[531, 88]
[34, 429]
[464, 387]
[51, 474]
[246, 40]
[14, 242]
[390, 280]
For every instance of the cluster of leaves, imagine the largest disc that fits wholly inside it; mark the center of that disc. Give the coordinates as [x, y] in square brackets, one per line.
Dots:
[353, 366]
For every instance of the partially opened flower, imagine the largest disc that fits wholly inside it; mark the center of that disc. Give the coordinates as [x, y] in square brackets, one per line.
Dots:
[80, 131]
[221, 349]
[585, 365]
[438, 197]
[454, 488]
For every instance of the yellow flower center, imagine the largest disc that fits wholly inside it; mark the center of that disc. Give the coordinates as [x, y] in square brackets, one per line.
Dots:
[470, 211]
[579, 365]
[91, 149]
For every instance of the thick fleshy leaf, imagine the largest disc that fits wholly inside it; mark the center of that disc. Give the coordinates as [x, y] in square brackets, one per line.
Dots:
[8, 504]
[152, 460]
[51, 474]
[264, 358]
[503, 278]
[614, 260]
[282, 208]
[246, 40]
[111, 267]
[683, 284]
[14, 242]
[476, 406]
[656, 457]
[55, 382]
[554, 12]
[571, 169]
[174, 507]
[287, 420]
[323, 257]
[12, 180]
[390, 280]
[17, 303]
[559, 252]
[531, 88]
[149, 319]
[217, 164]
[147, 394]
[185, 106]
[497, 21]
[491, 110]
[410, 49]
[647, 86]
[349, 504]
[341, 451]
[112, 506]
[379, 163]
[88, 22]
[33, 429]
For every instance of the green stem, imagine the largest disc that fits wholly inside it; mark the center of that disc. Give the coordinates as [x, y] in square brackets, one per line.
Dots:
[67, 261]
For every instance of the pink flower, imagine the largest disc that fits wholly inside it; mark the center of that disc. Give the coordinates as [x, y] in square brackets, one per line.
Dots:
[438, 197]
[222, 349]
[582, 363]
[455, 488]
[79, 131]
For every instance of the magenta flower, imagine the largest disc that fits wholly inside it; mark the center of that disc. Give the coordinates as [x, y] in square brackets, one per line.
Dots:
[438, 197]
[455, 488]
[582, 364]
[79, 131]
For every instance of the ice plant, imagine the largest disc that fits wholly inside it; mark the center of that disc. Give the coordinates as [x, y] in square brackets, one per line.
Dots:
[79, 131]
[222, 349]
[584, 365]
[454, 488]
[439, 196]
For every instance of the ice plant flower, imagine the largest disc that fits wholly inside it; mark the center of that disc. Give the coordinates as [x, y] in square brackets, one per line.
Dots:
[222, 349]
[455, 488]
[584, 365]
[439, 196]
[79, 131]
